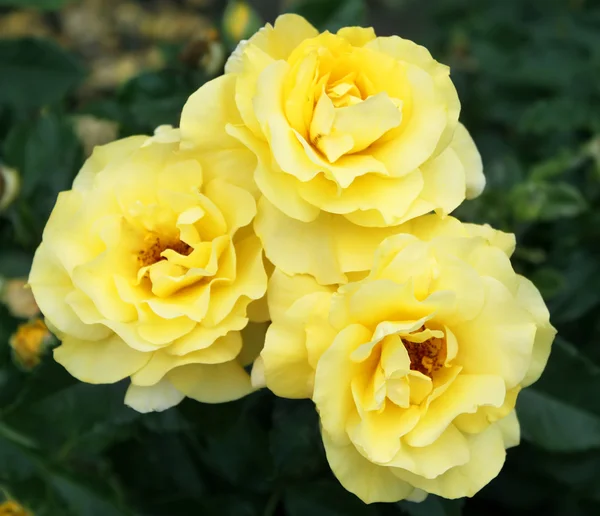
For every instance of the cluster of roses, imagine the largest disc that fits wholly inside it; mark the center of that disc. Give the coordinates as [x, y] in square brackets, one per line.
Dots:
[294, 234]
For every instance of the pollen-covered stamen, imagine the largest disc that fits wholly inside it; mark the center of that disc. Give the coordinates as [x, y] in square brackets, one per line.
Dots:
[428, 356]
[156, 246]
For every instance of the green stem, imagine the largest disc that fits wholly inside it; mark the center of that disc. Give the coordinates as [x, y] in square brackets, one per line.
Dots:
[272, 503]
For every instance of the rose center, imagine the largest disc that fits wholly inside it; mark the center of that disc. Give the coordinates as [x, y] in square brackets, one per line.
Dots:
[426, 357]
[153, 251]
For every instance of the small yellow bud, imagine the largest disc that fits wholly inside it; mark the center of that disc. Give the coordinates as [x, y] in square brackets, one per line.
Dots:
[29, 342]
[240, 21]
[12, 508]
[18, 298]
[9, 186]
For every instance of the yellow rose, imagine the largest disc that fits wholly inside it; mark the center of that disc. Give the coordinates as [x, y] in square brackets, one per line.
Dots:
[414, 369]
[146, 270]
[354, 134]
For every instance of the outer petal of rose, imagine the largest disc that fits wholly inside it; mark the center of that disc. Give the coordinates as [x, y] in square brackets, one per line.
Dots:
[508, 331]
[409, 52]
[250, 282]
[444, 180]
[222, 350]
[357, 36]
[294, 344]
[529, 297]
[212, 383]
[286, 368]
[154, 398]
[465, 395]
[335, 371]
[511, 431]
[449, 451]
[487, 458]
[506, 242]
[487, 414]
[236, 204]
[371, 483]
[278, 41]
[392, 197]
[467, 152]
[285, 290]
[102, 156]
[327, 248]
[103, 361]
[51, 285]
[207, 112]
[253, 342]
[421, 132]
[236, 166]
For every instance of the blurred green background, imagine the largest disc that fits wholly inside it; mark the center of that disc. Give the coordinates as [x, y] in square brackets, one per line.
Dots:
[74, 74]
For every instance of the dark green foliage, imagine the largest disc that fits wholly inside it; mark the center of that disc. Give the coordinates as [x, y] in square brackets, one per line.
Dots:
[528, 77]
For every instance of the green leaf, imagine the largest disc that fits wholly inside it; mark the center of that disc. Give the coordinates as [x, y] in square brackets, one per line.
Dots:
[46, 5]
[331, 14]
[547, 201]
[570, 377]
[83, 499]
[34, 73]
[91, 417]
[14, 263]
[433, 506]
[296, 440]
[47, 154]
[149, 100]
[232, 440]
[556, 426]
[324, 498]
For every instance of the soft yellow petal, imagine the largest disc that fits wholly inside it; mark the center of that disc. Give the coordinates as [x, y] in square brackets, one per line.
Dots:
[154, 398]
[212, 383]
[342, 246]
[508, 332]
[443, 182]
[511, 431]
[465, 395]
[285, 290]
[278, 41]
[286, 368]
[371, 483]
[422, 131]
[464, 147]
[102, 361]
[487, 458]
[528, 296]
[207, 112]
[224, 349]
[506, 242]
[334, 375]
[51, 286]
[357, 36]
[253, 339]
[448, 451]
[250, 282]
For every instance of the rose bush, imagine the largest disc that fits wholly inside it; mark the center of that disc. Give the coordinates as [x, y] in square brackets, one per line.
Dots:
[354, 134]
[416, 368]
[146, 269]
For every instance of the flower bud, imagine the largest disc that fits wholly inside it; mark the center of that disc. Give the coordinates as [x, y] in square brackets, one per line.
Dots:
[12, 508]
[9, 186]
[18, 298]
[29, 342]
